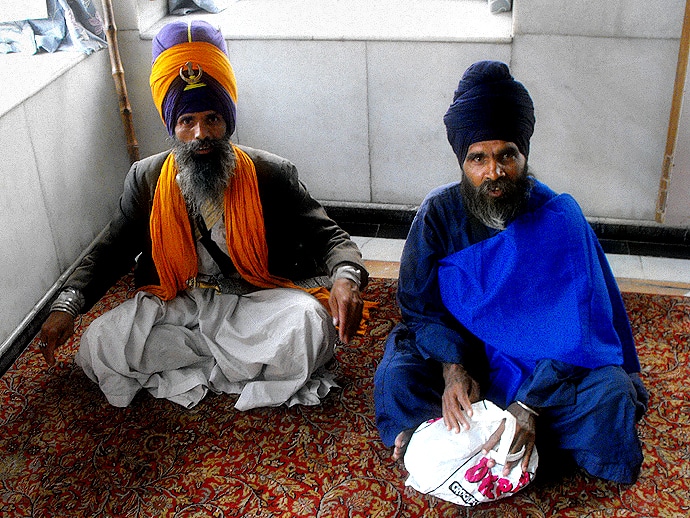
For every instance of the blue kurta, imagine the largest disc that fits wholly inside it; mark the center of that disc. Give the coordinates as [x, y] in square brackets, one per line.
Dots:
[553, 376]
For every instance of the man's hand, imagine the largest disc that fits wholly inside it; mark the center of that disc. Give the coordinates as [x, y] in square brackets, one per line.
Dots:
[461, 390]
[346, 307]
[525, 434]
[57, 328]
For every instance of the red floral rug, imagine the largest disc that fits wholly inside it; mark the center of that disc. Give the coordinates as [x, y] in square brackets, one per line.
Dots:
[64, 452]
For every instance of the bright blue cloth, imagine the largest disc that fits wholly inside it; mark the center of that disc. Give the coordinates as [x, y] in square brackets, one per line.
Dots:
[538, 291]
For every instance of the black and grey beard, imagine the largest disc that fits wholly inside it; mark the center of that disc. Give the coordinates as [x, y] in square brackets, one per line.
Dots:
[497, 212]
[203, 177]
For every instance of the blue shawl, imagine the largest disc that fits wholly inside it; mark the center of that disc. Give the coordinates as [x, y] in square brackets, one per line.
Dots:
[538, 291]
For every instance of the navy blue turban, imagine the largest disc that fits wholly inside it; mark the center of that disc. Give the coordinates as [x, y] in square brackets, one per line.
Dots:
[489, 105]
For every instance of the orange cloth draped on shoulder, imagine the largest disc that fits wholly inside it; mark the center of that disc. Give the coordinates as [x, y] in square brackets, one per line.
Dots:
[174, 248]
[166, 68]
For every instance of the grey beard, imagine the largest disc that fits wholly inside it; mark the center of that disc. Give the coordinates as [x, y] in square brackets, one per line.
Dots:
[203, 178]
[497, 213]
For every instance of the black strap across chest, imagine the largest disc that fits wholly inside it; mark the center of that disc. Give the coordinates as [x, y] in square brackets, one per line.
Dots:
[222, 259]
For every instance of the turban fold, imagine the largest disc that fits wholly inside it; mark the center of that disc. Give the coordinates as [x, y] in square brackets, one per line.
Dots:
[489, 104]
[200, 44]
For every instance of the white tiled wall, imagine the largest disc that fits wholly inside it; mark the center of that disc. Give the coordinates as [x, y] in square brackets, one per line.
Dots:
[64, 160]
[362, 119]
[307, 101]
[602, 76]
[29, 259]
[80, 152]
[602, 107]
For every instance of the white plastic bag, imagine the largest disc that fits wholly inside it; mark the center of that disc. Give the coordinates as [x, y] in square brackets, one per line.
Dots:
[451, 466]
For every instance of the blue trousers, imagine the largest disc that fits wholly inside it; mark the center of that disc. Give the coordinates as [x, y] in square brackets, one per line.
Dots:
[597, 431]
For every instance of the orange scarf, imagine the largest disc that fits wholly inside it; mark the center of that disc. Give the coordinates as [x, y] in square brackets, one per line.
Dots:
[174, 248]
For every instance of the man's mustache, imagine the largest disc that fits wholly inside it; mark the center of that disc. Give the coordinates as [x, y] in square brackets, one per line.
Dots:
[503, 183]
[195, 146]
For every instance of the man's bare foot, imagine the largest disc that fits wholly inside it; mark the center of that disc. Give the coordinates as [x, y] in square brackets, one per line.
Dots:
[401, 442]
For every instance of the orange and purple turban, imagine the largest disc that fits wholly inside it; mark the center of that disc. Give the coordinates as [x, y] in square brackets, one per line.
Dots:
[191, 73]
[489, 104]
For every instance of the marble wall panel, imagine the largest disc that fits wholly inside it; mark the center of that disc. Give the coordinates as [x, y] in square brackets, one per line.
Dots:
[602, 107]
[29, 264]
[678, 203]
[80, 152]
[306, 101]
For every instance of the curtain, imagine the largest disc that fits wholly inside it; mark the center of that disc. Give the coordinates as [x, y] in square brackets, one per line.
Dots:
[72, 25]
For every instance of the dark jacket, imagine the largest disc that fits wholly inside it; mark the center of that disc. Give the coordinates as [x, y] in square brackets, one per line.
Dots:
[302, 240]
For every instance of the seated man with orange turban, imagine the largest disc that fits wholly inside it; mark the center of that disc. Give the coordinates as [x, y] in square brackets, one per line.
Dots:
[243, 277]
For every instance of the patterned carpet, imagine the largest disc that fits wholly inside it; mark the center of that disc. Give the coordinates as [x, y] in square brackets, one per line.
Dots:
[64, 452]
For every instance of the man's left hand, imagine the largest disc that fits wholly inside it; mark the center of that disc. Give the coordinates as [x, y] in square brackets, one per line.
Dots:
[346, 307]
[525, 434]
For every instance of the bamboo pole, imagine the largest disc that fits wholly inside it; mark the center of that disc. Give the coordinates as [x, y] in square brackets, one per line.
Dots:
[118, 73]
[676, 105]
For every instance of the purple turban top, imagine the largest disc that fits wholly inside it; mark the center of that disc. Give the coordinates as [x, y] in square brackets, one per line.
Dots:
[489, 105]
[209, 94]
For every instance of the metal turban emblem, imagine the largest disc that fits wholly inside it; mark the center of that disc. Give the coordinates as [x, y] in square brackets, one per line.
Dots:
[189, 75]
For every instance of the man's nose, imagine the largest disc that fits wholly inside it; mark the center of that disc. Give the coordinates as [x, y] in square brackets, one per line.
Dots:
[493, 170]
[201, 131]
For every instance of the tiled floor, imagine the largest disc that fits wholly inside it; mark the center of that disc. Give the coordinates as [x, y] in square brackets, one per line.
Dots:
[634, 273]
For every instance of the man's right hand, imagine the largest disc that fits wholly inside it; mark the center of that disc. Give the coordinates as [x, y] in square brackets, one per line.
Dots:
[461, 390]
[57, 328]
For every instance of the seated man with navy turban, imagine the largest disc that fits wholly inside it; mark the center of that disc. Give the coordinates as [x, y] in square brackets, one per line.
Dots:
[242, 276]
[506, 295]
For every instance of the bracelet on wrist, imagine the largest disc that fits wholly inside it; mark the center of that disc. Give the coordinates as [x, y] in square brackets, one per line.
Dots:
[69, 301]
[349, 272]
[528, 409]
